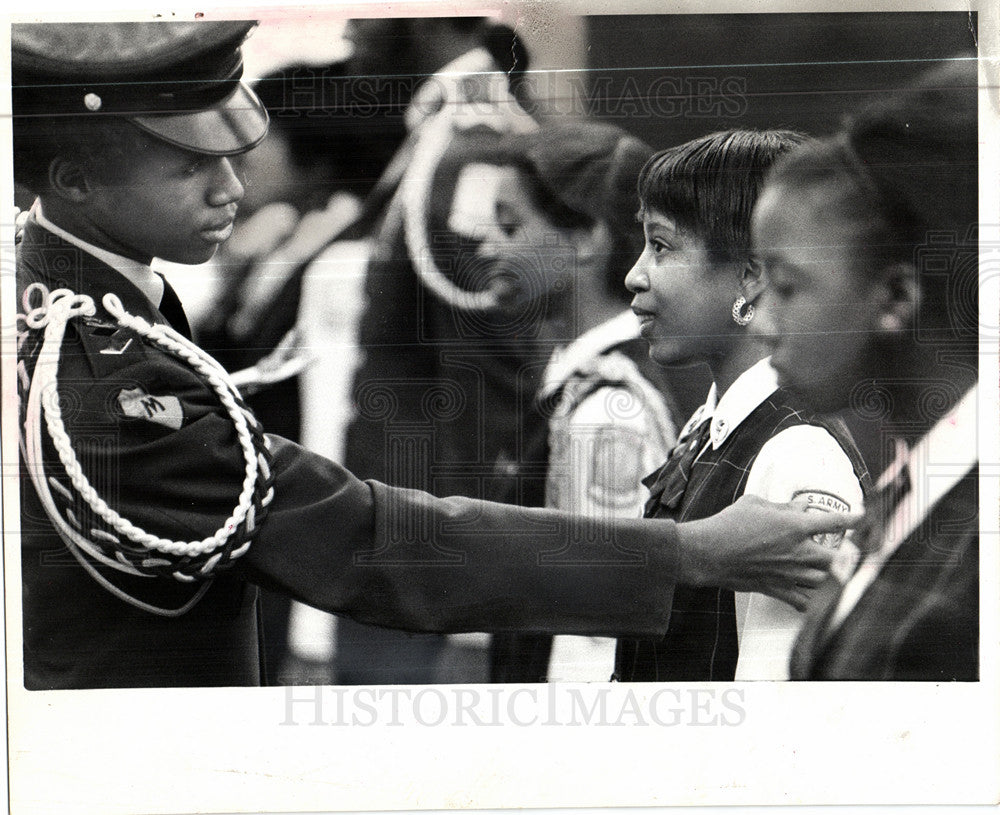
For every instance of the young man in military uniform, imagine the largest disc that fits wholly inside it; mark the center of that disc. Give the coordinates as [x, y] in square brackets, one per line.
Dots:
[152, 501]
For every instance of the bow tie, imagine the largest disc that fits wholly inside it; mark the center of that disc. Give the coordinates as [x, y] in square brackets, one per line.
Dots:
[668, 484]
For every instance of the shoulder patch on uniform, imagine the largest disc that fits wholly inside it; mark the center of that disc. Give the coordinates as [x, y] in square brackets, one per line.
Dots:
[821, 500]
[165, 410]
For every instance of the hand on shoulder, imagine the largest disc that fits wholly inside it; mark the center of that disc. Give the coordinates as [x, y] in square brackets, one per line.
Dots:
[756, 545]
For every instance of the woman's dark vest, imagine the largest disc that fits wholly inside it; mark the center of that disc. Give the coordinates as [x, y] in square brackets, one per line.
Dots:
[701, 643]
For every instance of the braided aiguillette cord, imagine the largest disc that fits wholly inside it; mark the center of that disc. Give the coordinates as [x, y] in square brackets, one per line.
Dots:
[54, 314]
[216, 377]
[414, 198]
[65, 305]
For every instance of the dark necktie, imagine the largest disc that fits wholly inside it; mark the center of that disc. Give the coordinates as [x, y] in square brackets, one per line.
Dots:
[668, 484]
[892, 487]
[171, 308]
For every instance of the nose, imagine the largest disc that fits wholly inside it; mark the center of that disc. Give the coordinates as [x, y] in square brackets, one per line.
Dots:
[491, 241]
[226, 187]
[637, 279]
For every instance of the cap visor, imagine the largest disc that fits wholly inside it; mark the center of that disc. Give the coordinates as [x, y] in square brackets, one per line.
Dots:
[232, 126]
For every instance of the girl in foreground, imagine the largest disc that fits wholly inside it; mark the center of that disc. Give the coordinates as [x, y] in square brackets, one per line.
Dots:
[869, 240]
[696, 287]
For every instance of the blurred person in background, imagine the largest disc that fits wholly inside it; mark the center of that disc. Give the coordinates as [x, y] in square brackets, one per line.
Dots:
[562, 237]
[304, 185]
[420, 412]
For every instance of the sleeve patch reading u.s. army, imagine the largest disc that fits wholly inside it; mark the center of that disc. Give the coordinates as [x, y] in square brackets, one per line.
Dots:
[165, 410]
[824, 501]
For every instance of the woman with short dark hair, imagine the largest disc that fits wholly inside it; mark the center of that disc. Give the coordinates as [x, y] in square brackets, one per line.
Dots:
[696, 286]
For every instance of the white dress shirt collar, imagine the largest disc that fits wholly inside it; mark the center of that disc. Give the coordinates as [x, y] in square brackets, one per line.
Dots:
[138, 274]
[946, 454]
[936, 464]
[741, 399]
[567, 360]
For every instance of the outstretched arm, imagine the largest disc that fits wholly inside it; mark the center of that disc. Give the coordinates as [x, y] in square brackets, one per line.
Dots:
[405, 559]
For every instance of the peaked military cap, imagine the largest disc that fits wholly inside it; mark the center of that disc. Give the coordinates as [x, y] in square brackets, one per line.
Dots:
[179, 81]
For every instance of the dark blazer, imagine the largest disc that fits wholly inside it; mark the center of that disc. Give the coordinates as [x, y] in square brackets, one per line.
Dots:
[383, 556]
[919, 619]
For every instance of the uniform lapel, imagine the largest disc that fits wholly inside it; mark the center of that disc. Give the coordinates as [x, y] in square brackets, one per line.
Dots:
[173, 311]
[811, 636]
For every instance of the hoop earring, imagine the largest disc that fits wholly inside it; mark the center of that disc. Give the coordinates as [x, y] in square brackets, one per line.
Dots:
[739, 316]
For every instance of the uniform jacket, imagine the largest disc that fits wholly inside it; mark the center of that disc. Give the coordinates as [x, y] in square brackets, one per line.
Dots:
[383, 556]
[918, 617]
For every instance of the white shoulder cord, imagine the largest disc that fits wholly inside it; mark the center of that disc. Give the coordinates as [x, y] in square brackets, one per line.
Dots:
[415, 191]
[53, 315]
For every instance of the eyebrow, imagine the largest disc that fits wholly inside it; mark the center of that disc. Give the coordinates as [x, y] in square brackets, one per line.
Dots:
[645, 216]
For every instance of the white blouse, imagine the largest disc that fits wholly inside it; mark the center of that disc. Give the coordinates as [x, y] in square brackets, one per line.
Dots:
[803, 463]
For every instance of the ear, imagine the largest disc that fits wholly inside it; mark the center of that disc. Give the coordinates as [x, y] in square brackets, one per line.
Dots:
[899, 299]
[753, 282]
[68, 180]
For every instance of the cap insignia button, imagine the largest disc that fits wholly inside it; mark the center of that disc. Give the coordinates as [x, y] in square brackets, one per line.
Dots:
[92, 101]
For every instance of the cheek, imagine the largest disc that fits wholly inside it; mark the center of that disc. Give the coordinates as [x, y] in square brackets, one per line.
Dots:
[666, 286]
[826, 335]
[711, 299]
[808, 316]
[168, 203]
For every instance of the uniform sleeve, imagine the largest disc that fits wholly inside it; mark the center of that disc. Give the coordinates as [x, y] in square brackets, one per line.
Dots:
[805, 464]
[391, 557]
[609, 453]
[404, 559]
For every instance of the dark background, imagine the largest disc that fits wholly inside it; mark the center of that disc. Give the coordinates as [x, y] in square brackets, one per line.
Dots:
[801, 71]
[671, 78]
